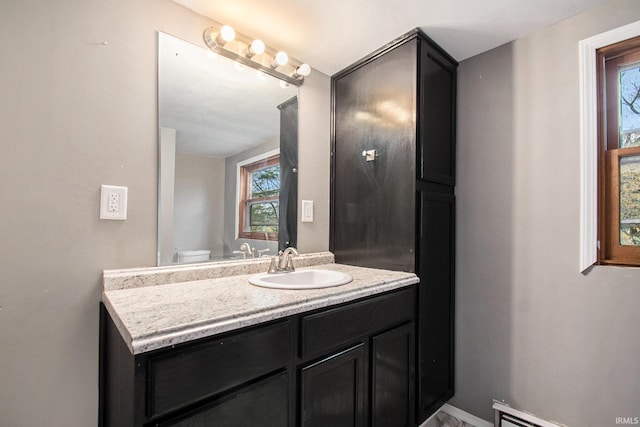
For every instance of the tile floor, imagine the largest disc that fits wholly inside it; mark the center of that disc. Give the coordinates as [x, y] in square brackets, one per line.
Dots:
[442, 419]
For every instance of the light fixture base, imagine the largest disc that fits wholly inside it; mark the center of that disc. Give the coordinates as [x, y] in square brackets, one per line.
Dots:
[210, 37]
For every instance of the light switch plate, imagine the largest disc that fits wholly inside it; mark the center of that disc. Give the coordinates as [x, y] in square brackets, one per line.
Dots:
[307, 211]
[113, 202]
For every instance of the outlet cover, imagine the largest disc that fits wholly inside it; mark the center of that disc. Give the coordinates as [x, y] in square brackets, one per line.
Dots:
[113, 202]
[307, 211]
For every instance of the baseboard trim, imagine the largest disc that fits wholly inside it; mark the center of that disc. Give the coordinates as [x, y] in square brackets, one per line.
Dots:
[465, 416]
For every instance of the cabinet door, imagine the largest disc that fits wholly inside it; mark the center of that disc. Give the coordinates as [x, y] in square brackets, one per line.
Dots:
[437, 114]
[392, 377]
[332, 390]
[372, 200]
[262, 404]
[436, 298]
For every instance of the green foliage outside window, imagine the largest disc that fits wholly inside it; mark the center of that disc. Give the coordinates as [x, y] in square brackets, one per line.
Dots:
[264, 216]
[629, 124]
[630, 201]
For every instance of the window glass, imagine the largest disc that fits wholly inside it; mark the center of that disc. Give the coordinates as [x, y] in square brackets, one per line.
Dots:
[630, 201]
[265, 182]
[630, 106]
[263, 216]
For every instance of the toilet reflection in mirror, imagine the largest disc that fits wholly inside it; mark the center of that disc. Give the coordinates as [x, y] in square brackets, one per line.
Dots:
[228, 154]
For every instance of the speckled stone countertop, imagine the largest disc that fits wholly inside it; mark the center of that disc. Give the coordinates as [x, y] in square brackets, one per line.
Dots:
[152, 276]
[154, 317]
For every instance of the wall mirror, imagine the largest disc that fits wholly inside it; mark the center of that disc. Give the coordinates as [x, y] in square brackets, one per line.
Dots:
[228, 154]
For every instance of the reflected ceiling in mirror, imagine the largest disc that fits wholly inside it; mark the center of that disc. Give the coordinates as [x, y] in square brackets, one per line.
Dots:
[203, 94]
[214, 115]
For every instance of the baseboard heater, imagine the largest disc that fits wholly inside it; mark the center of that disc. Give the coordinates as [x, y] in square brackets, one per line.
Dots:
[506, 416]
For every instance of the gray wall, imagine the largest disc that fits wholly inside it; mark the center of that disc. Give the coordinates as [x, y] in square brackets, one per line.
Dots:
[530, 329]
[314, 146]
[166, 190]
[199, 203]
[77, 114]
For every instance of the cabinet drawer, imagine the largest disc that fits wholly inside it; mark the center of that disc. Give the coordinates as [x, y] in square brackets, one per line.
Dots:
[262, 404]
[331, 328]
[182, 377]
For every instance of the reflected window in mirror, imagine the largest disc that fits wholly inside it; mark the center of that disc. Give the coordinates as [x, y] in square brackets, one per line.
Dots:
[259, 204]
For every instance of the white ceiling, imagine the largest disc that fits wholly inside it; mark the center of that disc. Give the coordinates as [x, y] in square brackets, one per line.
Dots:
[330, 35]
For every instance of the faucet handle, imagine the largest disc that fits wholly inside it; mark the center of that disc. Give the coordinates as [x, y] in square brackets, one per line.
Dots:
[290, 266]
[273, 266]
[244, 254]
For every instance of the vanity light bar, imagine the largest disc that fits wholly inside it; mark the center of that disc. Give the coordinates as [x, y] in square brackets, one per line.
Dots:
[254, 53]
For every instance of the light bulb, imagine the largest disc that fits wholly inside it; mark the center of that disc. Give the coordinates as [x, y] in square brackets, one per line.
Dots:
[257, 47]
[302, 71]
[227, 33]
[280, 59]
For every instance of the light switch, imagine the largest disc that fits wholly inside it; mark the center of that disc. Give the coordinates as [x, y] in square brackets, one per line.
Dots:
[307, 211]
[113, 202]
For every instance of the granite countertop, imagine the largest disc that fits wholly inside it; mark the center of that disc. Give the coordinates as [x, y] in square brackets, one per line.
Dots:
[154, 317]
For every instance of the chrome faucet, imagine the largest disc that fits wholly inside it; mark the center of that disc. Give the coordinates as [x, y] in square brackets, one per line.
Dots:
[249, 249]
[245, 250]
[284, 261]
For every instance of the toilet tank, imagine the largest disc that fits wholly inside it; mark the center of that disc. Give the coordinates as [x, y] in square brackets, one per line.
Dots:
[200, 255]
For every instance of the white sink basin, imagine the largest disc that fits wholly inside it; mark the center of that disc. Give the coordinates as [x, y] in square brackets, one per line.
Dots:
[301, 279]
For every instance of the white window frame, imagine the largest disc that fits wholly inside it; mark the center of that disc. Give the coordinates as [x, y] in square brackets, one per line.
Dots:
[589, 138]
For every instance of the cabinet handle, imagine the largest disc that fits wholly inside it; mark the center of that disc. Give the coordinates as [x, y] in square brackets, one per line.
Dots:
[370, 155]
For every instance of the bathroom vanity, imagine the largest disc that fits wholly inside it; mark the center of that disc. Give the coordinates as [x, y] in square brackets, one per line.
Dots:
[216, 350]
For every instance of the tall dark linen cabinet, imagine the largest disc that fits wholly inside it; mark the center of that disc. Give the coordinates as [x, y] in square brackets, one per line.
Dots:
[395, 209]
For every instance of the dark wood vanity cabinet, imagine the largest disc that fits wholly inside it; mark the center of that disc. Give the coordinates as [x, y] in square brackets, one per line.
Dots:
[396, 210]
[338, 390]
[232, 379]
[348, 365]
[358, 363]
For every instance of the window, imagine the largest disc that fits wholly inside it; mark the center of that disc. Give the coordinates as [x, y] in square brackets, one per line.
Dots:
[619, 153]
[259, 199]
